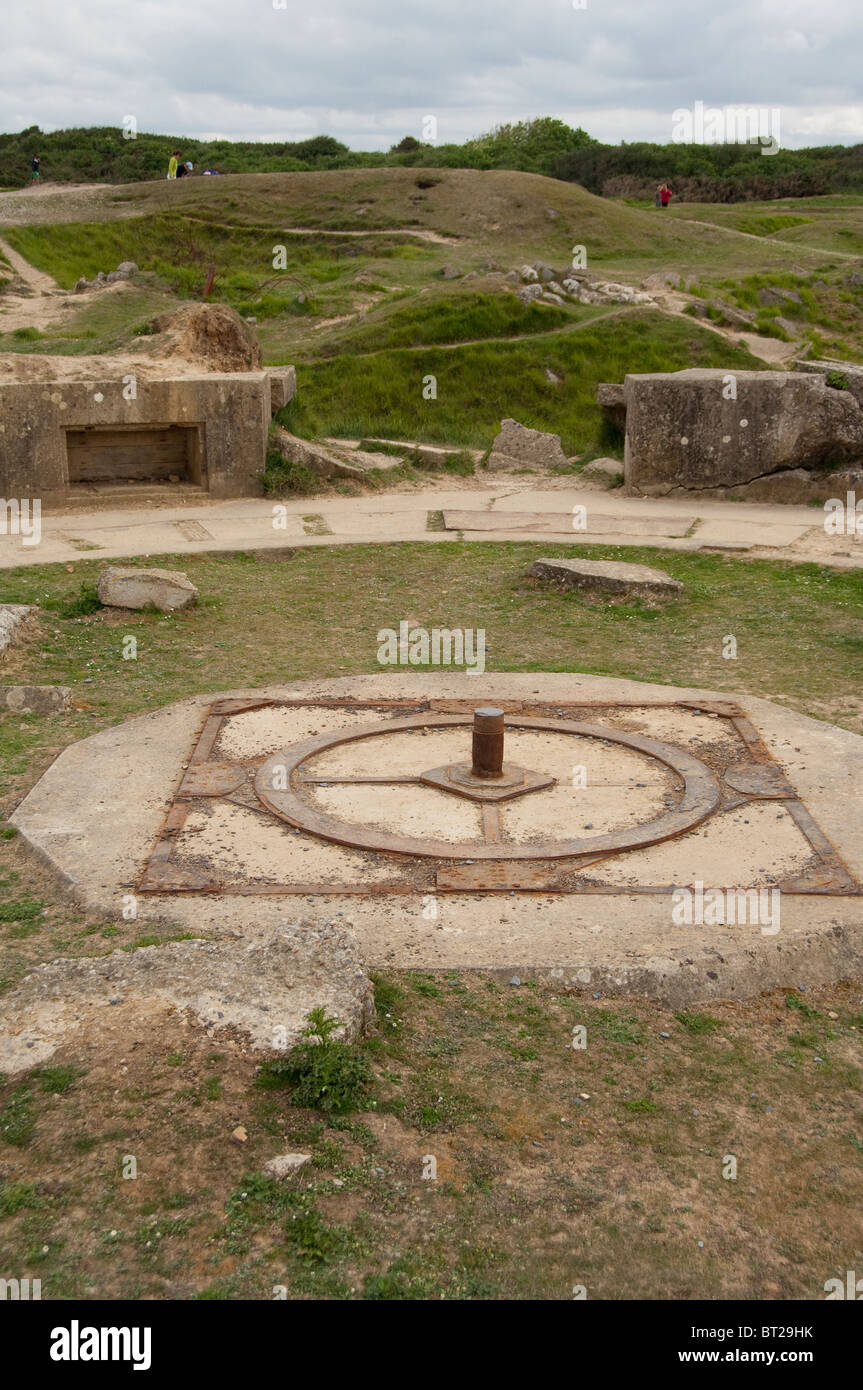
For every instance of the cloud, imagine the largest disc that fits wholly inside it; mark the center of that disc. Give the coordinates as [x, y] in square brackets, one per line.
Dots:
[368, 71]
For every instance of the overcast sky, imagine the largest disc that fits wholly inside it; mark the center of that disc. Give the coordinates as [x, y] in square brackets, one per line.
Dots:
[369, 71]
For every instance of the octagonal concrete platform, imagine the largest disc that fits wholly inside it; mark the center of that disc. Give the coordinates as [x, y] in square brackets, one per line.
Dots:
[98, 816]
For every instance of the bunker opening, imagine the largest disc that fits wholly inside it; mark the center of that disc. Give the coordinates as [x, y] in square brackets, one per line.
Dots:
[135, 454]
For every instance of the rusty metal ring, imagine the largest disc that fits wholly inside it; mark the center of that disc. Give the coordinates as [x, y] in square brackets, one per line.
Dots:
[701, 795]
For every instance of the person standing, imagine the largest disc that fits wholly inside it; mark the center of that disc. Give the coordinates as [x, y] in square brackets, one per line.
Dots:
[665, 195]
[172, 164]
[34, 168]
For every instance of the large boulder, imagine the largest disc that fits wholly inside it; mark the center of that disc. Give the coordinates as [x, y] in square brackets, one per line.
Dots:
[707, 428]
[168, 590]
[516, 446]
[213, 335]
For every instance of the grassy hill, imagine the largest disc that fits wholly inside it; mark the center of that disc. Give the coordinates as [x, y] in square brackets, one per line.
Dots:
[373, 296]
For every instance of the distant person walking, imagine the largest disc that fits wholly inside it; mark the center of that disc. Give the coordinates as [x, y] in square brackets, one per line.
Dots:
[34, 168]
[665, 196]
[172, 164]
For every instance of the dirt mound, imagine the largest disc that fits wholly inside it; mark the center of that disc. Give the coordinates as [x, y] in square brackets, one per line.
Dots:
[211, 335]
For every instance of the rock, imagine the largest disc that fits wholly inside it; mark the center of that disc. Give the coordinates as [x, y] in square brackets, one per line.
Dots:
[551, 298]
[513, 277]
[82, 285]
[516, 446]
[838, 375]
[610, 470]
[35, 699]
[239, 1135]
[553, 377]
[661, 280]
[611, 398]
[544, 272]
[450, 272]
[683, 431]
[127, 268]
[528, 274]
[700, 310]
[168, 590]
[213, 335]
[554, 287]
[262, 985]
[854, 280]
[529, 294]
[471, 275]
[792, 329]
[736, 318]
[610, 577]
[285, 1165]
[12, 616]
[769, 296]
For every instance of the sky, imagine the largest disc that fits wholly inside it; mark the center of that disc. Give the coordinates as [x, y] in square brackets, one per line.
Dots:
[371, 71]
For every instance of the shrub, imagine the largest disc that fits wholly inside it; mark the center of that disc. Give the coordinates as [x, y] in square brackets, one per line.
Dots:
[324, 1074]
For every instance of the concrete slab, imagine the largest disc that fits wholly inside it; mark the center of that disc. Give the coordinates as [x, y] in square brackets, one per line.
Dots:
[557, 523]
[607, 924]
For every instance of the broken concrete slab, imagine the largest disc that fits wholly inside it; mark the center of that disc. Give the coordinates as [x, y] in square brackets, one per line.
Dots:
[35, 699]
[264, 987]
[564, 523]
[127, 587]
[12, 618]
[517, 446]
[609, 577]
[325, 462]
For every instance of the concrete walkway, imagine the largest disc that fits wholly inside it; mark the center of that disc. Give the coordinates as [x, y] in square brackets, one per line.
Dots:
[511, 508]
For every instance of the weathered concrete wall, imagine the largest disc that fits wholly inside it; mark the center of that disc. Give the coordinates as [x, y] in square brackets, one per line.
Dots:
[231, 412]
[708, 429]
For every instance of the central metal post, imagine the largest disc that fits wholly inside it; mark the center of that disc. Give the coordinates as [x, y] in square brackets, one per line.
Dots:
[487, 742]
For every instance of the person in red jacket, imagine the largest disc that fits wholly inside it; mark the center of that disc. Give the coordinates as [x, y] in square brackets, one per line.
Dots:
[665, 195]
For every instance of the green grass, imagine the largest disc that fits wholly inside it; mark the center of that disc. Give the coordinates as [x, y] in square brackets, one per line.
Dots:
[383, 394]
[453, 318]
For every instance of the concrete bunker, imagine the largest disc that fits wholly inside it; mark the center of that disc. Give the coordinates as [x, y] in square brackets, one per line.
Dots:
[60, 436]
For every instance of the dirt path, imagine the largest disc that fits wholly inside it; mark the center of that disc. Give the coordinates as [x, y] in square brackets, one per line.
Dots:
[43, 302]
[767, 349]
[420, 233]
[797, 246]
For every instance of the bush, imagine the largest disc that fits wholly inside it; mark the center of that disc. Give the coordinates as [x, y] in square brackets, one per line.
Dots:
[324, 1074]
[87, 601]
